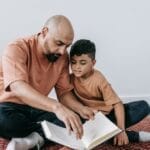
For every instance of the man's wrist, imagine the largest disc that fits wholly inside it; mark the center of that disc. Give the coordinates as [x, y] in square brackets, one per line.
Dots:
[56, 106]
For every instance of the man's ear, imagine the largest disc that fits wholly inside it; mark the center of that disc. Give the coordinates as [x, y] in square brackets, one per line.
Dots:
[44, 31]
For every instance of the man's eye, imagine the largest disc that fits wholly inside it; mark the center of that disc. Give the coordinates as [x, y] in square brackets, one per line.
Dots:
[72, 62]
[59, 44]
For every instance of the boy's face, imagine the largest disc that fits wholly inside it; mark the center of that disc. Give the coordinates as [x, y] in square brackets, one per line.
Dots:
[82, 66]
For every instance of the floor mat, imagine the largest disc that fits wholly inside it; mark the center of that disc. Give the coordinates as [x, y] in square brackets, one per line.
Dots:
[142, 125]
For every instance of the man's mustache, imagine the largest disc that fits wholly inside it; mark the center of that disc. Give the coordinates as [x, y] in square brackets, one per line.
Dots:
[52, 57]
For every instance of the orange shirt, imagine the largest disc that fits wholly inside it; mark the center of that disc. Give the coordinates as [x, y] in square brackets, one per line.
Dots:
[95, 92]
[20, 61]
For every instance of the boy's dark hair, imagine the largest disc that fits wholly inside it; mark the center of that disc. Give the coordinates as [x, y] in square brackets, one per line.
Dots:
[83, 46]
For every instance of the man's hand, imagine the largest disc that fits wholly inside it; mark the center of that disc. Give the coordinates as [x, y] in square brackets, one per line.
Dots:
[71, 120]
[71, 102]
[121, 139]
[87, 112]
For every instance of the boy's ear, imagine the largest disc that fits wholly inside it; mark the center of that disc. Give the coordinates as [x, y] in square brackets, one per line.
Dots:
[94, 62]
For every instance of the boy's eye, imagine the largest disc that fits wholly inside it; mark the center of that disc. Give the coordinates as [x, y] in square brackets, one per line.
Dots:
[82, 63]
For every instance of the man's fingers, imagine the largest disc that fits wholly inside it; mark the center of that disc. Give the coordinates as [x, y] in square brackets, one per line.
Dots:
[68, 127]
[76, 126]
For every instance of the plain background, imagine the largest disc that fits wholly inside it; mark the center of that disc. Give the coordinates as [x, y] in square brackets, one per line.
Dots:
[120, 30]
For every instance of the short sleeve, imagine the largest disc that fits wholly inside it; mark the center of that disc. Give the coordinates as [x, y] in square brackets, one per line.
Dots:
[14, 65]
[109, 95]
[63, 84]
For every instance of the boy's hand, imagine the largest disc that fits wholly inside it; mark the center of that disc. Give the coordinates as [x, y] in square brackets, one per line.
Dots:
[121, 139]
[87, 112]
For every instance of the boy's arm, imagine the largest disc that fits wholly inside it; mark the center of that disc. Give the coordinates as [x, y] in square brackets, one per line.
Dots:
[122, 138]
[69, 100]
[120, 115]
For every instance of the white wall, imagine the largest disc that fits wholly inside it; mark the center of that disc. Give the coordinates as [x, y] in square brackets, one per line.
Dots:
[120, 29]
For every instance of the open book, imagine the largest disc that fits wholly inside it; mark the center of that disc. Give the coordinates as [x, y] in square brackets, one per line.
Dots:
[96, 132]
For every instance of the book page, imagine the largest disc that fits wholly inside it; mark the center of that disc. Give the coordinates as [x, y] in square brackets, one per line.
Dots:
[100, 128]
[60, 135]
[95, 132]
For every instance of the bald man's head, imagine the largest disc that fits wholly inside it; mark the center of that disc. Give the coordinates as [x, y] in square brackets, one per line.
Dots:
[56, 20]
[56, 36]
[59, 23]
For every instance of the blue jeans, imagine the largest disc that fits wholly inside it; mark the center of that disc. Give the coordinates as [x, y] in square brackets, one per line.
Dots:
[134, 112]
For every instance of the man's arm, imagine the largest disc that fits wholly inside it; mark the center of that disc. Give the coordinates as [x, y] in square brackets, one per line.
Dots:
[69, 100]
[122, 138]
[31, 97]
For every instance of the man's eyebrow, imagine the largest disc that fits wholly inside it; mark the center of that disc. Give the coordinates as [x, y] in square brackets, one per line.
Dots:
[59, 41]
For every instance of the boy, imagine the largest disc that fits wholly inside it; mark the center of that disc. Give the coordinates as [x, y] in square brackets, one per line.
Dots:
[93, 90]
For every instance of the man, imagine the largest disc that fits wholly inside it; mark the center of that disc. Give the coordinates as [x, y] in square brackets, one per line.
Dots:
[30, 68]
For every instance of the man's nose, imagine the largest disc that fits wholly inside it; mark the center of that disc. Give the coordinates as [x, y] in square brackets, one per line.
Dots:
[62, 50]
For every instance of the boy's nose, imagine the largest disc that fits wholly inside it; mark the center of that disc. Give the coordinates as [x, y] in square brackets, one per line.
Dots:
[77, 66]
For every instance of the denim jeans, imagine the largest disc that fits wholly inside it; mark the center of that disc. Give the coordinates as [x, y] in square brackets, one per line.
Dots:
[134, 112]
[20, 120]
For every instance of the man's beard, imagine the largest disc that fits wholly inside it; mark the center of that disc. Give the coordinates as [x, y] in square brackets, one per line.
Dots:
[52, 57]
